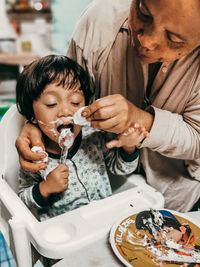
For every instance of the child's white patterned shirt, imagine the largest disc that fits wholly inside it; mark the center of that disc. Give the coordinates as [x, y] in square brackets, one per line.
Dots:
[88, 179]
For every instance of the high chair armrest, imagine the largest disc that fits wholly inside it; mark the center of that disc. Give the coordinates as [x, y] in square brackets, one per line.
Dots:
[13, 203]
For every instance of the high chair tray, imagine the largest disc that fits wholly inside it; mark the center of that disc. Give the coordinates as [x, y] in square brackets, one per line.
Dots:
[69, 232]
[134, 244]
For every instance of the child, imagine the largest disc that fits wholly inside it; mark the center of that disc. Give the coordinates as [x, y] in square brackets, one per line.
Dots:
[49, 92]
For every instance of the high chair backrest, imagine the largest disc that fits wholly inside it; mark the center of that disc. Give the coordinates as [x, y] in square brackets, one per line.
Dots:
[10, 127]
[61, 235]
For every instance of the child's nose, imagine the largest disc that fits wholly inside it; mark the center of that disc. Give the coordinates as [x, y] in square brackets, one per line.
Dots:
[65, 111]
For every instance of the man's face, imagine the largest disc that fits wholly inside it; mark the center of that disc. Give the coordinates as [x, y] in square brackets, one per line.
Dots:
[164, 30]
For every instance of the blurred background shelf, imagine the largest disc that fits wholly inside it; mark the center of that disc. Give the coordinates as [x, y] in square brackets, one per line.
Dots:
[10, 66]
[25, 35]
[30, 29]
[22, 58]
[29, 14]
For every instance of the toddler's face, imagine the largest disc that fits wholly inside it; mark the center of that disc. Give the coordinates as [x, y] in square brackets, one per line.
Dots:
[54, 106]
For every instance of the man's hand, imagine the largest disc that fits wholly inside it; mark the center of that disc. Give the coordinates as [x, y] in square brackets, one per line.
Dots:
[56, 181]
[114, 113]
[30, 136]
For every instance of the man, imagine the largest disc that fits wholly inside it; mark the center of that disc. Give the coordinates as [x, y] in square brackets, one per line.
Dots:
[148, 51]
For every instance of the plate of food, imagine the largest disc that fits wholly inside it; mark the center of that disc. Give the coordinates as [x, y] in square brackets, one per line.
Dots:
[156, 238]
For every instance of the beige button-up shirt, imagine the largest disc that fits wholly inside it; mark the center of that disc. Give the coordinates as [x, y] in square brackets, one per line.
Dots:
[102, 44]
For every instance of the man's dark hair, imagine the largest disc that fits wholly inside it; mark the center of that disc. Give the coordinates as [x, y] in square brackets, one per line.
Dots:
[37, 75]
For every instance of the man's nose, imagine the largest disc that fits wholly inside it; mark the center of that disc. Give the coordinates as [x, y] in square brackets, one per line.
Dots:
[149, 39]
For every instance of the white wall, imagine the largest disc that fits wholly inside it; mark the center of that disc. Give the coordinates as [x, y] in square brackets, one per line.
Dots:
[65, 15]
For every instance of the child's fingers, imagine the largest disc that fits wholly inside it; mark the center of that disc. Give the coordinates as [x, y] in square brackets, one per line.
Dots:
[63, 167]
[141, 129]
[113, 143]
[136, 125]
[144, 134]
[129, 131]
[65, 180]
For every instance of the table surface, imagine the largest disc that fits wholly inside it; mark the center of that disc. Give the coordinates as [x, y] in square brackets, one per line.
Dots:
[99, 253]
[17, 58]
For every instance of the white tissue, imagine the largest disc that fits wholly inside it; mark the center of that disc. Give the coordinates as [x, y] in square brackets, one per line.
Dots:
[79, 119]
[39, 149]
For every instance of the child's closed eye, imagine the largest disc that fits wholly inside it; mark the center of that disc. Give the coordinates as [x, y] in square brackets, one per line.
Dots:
[76, 104]
[51, 105]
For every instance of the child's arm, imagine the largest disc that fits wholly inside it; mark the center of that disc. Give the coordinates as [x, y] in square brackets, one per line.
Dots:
[129, 138]
[34, 190]
[123, 158]
[27, 180]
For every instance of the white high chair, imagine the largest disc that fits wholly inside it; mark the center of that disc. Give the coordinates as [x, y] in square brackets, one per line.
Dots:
[63, 234]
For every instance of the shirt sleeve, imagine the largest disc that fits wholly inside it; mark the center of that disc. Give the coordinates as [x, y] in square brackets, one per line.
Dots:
[175, 135]
[27, 183]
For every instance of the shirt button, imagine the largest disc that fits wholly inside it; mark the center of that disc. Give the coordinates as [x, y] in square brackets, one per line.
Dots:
[164, 69]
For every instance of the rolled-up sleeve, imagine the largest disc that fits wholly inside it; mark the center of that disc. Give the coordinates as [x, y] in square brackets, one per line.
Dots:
[174, 135]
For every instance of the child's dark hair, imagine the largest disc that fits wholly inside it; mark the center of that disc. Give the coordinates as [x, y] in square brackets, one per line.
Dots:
[37, 75]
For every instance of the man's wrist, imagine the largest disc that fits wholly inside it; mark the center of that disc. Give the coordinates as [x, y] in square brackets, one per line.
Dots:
[146, 119]
[143, 117]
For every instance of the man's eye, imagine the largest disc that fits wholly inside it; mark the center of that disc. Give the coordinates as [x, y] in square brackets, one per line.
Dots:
[51, 105]
[143, 11]
[172, 38]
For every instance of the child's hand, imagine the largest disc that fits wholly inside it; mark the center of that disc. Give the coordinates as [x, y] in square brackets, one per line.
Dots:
[129, 138]
[56, 181]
